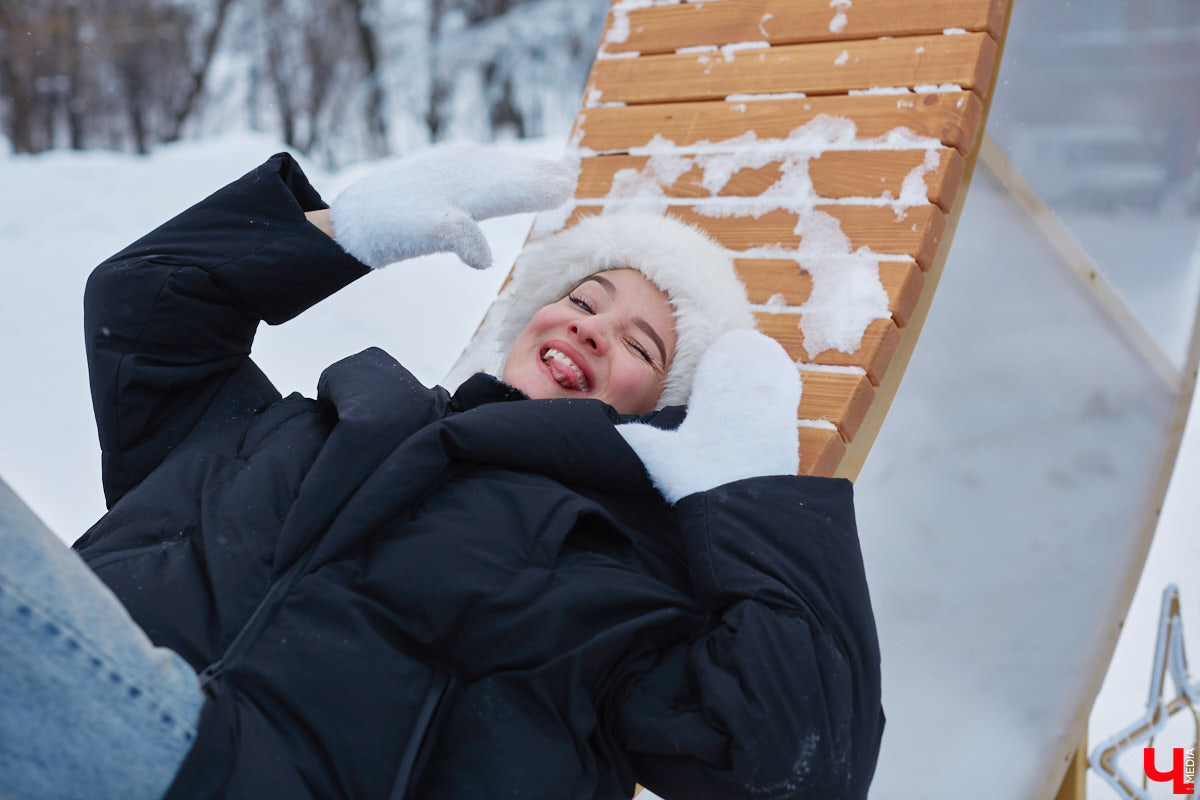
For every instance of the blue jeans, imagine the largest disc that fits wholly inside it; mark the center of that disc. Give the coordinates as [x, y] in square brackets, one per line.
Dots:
[89, 708]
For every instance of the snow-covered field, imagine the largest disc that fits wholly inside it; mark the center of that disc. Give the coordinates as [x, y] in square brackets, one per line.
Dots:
[62, 213]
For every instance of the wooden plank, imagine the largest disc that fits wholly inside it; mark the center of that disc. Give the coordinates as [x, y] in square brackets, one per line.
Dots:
[878, 173]
[950, 117]
[836, 174]
[916, 235]
[1074, 784]
[838, 397]
[822, 68]
[663, 29]
[874, 354]
[821, 450]
[767, 277]
[903, 281]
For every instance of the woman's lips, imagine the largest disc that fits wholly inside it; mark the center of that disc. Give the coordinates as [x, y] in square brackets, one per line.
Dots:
[563, 369]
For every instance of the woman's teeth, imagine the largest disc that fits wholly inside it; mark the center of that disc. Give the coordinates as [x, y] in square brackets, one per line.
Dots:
[567, 374]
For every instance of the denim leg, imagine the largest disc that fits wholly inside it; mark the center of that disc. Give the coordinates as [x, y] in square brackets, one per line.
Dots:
[89, 708]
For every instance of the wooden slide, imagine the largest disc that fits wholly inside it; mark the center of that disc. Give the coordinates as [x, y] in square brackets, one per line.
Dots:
[829, 145]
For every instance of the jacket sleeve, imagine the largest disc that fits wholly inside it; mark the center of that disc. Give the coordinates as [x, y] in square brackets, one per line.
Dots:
[781, 697]
[169, 320]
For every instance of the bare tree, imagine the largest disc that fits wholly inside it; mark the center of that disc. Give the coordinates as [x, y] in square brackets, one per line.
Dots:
[439, 81]
[131, 74]
[369, 49]
[189, 99]
[15, 81]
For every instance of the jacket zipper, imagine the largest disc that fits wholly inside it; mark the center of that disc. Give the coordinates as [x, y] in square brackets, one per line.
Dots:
[267, 608]
[416, 752]
[257, 621]
[120, 555]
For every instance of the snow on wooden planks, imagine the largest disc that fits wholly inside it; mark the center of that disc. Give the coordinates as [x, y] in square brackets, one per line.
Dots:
[768, 279]
[669, 27]
[823, 68]
[950, 117]
[811, 139]
[836, 175]
[916, 235]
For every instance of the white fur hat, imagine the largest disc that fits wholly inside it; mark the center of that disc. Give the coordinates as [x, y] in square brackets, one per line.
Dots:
[695, 272]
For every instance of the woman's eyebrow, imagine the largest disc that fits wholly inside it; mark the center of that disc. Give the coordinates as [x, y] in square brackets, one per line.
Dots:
[606, 283]
[658, 342]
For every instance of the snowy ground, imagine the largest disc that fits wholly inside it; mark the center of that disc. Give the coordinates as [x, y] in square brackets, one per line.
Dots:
[73, 210]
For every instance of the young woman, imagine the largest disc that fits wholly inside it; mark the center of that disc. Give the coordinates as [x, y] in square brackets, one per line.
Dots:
[391, 591]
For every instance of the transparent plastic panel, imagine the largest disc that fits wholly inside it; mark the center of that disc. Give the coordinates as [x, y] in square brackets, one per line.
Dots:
[1097, 106]
[1000, 509]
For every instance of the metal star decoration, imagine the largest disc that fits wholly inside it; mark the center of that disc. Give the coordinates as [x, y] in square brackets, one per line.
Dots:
[1168, 658]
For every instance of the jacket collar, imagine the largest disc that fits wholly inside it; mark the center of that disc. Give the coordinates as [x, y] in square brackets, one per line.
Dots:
[574, 441]
[483, 388]
[393, 438]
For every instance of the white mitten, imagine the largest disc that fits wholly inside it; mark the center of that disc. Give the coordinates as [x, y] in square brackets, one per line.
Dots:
[430, 202]
[741, 420]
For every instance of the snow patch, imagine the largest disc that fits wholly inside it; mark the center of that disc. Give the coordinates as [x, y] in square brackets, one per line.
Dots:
[954, 31]
[741, 98]
[883, 90]
[618, 32]
[842, 58]
[914, 191]
[728, 50]
[847, 295]
[822, 133]
[837, 368]
[838, 23]
[823, 424]
[763, 21]
[604, 55]
[644, 189]
[593, 100]
[575, 143]
[698, 48]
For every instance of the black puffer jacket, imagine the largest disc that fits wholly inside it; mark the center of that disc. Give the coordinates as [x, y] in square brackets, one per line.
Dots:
[394, 592]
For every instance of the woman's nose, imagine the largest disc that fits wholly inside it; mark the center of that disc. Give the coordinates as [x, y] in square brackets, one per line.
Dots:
[592, 332]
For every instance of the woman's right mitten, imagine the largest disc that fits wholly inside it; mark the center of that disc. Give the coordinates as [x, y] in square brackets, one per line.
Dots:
[430, 202]
[741, 420]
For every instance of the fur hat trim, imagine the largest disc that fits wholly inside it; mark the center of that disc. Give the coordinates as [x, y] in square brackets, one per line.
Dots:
[695, 272]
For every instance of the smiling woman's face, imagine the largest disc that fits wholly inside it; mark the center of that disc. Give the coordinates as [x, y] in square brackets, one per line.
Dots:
[611, 338]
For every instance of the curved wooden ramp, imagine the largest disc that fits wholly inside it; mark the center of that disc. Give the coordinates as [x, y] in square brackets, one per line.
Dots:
[829, 145]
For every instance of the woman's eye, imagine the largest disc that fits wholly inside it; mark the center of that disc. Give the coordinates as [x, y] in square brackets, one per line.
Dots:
[579, 301]
[641, 351]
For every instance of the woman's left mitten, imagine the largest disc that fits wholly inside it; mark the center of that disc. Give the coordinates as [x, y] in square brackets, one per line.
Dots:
[741, 420]
[430, 202]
